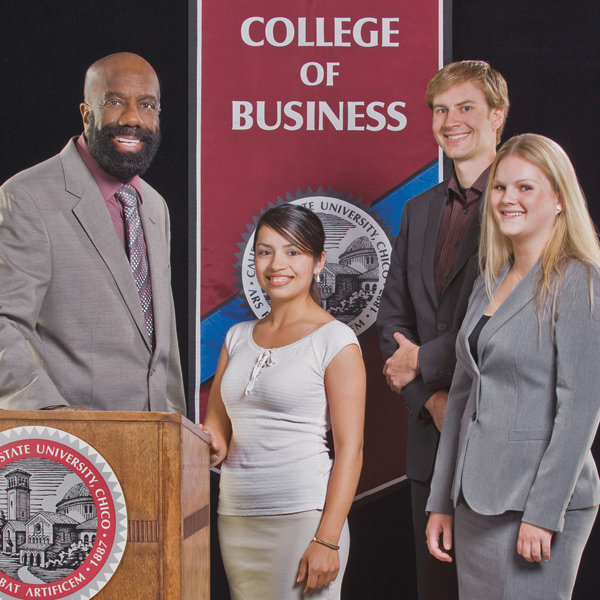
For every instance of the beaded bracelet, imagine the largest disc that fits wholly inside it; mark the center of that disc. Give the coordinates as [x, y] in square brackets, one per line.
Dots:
[324, 543]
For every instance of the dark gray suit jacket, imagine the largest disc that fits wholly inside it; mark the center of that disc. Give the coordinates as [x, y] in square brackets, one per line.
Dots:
[72, 329]
[521, 422]
[410, 305]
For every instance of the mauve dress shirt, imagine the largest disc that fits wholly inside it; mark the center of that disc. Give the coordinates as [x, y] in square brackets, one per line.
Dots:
[458, 213]
[108, 187]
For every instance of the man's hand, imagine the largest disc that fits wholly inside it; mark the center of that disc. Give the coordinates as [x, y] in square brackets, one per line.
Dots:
[436, 405]
[403, 366]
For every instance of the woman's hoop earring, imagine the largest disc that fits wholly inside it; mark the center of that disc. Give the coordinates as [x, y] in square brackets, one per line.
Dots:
[318, 277]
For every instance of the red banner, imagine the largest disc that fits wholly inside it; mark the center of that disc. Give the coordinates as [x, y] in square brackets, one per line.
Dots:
[302, 100]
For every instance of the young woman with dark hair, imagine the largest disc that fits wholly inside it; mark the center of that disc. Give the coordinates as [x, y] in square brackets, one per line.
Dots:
[281, 383]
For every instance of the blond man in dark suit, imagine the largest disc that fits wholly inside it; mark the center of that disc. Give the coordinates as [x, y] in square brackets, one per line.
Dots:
[434, 265]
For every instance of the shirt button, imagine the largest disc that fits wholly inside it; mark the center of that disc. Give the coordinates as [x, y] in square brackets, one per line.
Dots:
[474, 417]
[457, 244]
[441, 326]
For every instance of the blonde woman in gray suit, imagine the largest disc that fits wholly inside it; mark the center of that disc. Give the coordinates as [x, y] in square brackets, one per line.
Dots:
[515, 487]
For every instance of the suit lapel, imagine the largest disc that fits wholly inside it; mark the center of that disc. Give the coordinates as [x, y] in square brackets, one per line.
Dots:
[520, 297]
[468, 246]
[479, 302]
[94, 218]
[434, 219]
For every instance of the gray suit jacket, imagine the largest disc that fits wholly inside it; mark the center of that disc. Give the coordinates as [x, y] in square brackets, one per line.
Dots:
[520, 424]
[71, 326]
[410, 305]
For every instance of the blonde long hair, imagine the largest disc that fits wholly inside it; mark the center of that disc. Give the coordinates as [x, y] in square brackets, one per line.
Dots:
[574, 236]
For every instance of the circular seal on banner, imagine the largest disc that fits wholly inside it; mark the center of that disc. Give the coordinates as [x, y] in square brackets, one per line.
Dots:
[63, 521]
[358, 259]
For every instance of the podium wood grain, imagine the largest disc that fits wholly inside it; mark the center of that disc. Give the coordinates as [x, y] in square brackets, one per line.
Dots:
[162, 463]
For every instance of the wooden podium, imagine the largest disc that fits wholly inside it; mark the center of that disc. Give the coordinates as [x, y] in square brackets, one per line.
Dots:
[162, 463]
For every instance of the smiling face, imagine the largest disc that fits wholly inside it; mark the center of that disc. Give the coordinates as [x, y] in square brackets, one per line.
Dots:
[283, 269]
[464, 125]
[121, 114]
[524, 203]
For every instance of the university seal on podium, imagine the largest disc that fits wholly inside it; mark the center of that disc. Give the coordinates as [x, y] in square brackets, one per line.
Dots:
[63, 521]
[358, 257]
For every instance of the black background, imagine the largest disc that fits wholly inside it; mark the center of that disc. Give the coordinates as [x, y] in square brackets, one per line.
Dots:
[547, 51]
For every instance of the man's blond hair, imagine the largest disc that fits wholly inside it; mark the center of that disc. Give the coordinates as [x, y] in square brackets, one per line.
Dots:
[478, 72]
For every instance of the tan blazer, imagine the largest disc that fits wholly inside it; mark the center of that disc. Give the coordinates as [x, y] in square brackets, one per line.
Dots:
[71, 326]
[521, 422]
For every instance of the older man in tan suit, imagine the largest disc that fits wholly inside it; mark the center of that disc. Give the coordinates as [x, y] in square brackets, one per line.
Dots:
[86, 310]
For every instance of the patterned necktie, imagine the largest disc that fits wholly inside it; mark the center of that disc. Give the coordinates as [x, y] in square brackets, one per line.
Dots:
[138, 259]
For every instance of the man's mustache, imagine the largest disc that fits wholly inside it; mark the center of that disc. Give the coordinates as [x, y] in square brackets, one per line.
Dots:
[144, 135]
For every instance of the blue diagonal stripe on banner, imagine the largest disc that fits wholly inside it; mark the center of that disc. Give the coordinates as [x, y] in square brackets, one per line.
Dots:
[390, 207]
[214, 327]
[212, 334]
